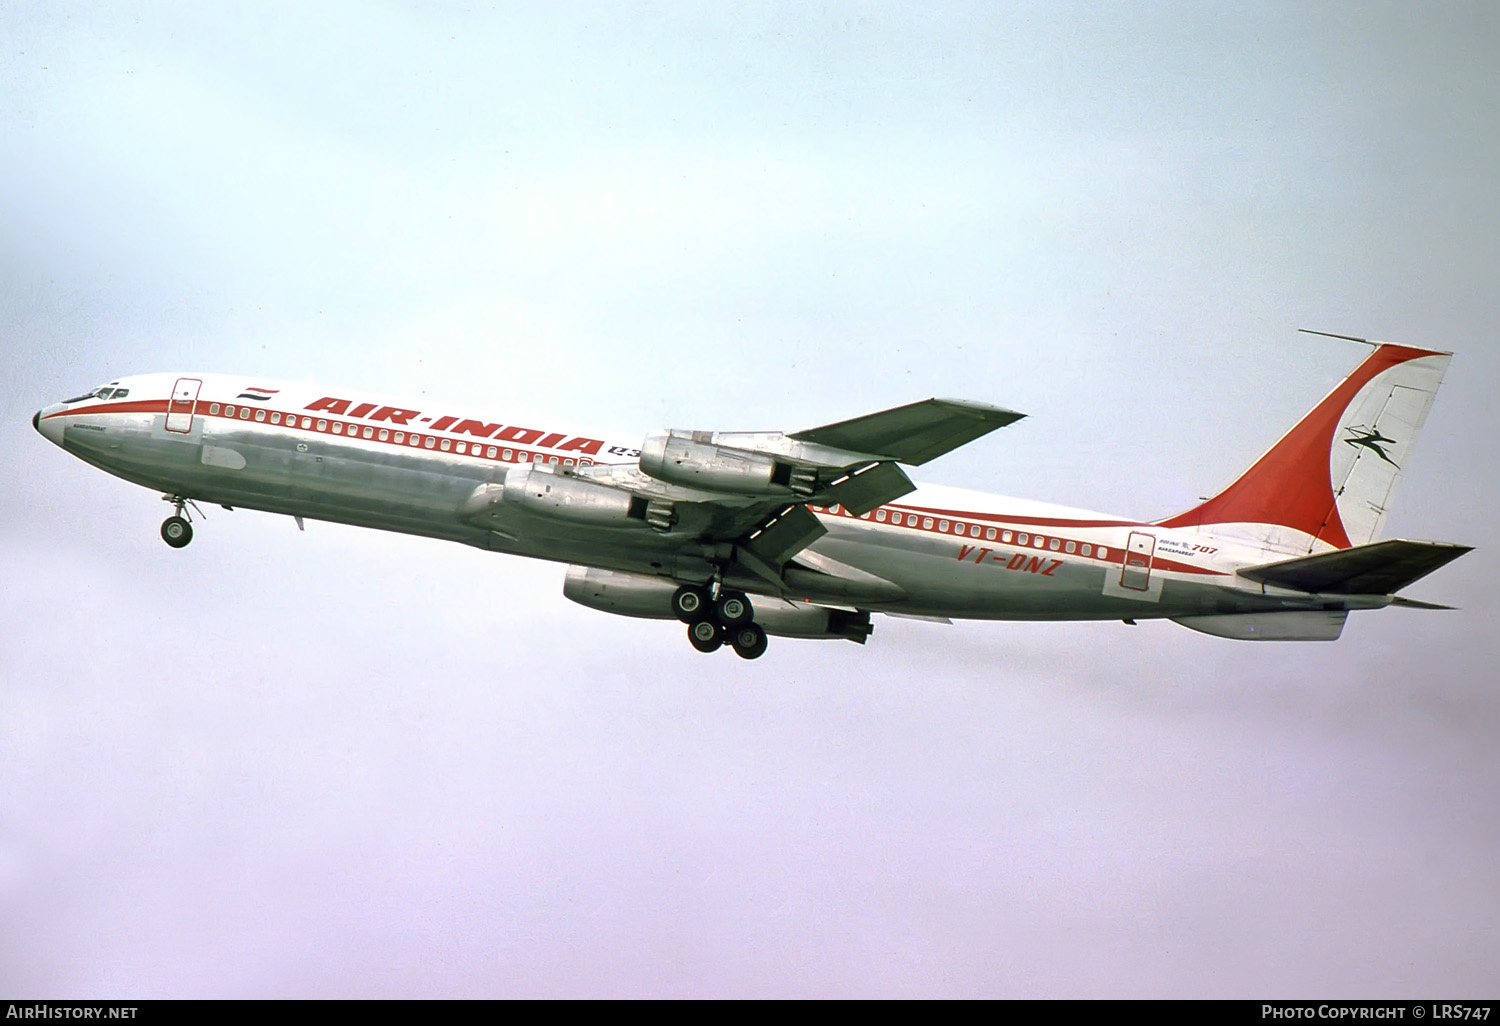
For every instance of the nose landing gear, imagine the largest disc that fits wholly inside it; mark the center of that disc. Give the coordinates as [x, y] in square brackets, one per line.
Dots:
[176, 531]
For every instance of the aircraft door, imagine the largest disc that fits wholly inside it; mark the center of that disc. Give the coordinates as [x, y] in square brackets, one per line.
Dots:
[181, 406]
[1136, 573]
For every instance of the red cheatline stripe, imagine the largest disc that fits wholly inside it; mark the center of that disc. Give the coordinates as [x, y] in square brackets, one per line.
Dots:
[475, 446]
[134, 406]
[1158, 562]
[1008, 518]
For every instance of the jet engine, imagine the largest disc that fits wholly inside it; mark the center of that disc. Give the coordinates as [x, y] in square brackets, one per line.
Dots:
[626, 594]
[559, 493]
[551, 492]
[689, 459]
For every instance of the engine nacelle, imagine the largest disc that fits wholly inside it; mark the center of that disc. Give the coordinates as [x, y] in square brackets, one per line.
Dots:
[801, 620]
[558, 493]
[689, 459]
[625, 594]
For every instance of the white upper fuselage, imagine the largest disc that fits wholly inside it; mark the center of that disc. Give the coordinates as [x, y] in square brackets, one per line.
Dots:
[412, 467]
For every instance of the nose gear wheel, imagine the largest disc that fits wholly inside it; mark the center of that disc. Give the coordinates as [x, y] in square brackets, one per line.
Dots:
[176, 530]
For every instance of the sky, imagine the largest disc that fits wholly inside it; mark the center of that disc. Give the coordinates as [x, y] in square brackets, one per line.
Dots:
[343, 763]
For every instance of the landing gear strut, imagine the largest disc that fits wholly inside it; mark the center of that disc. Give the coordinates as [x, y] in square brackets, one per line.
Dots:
[175, 530]
[714, 623]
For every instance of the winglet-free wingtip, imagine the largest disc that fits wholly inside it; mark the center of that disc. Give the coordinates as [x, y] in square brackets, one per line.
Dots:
[983, 411]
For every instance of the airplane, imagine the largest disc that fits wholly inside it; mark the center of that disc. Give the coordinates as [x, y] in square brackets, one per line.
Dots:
[745, 534]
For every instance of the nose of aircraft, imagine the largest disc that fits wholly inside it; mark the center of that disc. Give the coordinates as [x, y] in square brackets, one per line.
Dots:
[50, 429]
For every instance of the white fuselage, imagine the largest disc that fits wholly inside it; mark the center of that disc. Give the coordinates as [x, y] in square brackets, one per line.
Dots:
[945, 552]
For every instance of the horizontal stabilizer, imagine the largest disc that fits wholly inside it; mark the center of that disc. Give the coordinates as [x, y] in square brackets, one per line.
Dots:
[1415, 604]
[915, 433]
[1381, 568]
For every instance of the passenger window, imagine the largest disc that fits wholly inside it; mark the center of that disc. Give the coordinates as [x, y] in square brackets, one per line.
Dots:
[307, 422]
[1053, 544]
[383, 434]
[229, 411]
[244, 413]
[927, 523]
[566, 463]
[1103, 552]
[1039, 541]
[989, 534]
[462, 447]
[1021, 539]
[974, 531]
[369, 432]
[506, 455]
[428, 442]
[490, 452]
[338, 427]
[943, 526]
[1088, 549]
[896, 519]
[523, 457]
[260, 415]
[275, 418]
[880, 515]
[1070, 547]
[447, 444]
[213, 408]
[400, 437]
[322, 424]
[552, 460]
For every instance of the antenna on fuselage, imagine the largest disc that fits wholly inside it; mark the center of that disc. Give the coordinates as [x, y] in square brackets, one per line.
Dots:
[1346, 338]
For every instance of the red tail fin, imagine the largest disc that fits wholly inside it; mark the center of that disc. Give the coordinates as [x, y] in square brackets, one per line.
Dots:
[1328, 481]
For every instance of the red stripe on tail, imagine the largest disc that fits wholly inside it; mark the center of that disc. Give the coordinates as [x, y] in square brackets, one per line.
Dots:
[1289, 486]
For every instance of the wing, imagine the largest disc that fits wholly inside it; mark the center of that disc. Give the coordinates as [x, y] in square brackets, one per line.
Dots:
[752, 490]
[915, 433]
[738, 502]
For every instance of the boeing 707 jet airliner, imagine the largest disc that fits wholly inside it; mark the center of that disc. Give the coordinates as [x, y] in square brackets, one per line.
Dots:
[744, 534]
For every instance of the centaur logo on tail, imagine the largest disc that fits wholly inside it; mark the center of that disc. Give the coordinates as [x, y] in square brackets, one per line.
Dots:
[744, 534]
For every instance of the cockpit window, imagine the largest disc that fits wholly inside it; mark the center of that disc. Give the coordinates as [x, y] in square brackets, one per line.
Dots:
[88, 395]
[120, 393]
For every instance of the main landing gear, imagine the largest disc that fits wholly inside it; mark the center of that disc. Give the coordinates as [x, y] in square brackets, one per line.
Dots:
[176, 531]
[713, 623]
